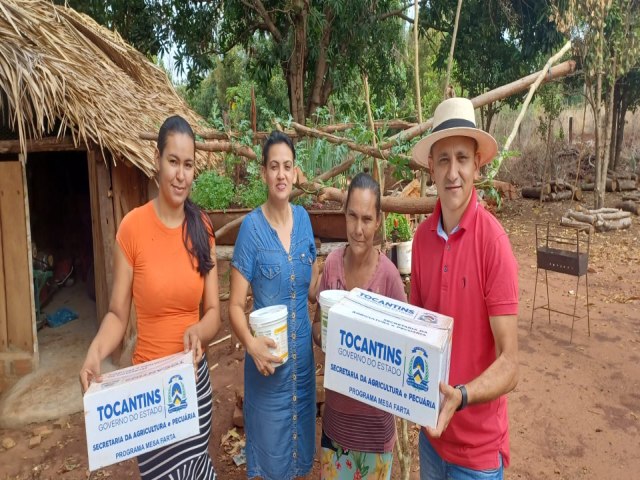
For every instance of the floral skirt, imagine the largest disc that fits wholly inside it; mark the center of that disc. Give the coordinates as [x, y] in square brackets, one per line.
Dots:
[338, 463]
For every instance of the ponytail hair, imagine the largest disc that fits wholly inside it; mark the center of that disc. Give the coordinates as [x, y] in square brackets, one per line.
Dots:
[197, 229]
[196, 232]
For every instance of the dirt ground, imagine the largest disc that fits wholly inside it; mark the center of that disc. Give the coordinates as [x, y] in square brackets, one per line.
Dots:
[574, 414]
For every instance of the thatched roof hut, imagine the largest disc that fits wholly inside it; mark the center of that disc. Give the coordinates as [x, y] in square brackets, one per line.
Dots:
[74, 100]
[63, 74]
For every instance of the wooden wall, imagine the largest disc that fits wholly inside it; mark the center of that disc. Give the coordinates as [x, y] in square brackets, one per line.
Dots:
[115, 190]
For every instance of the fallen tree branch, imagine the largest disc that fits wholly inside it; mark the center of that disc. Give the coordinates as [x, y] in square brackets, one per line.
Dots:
[539, 78]
[364, 149]
[344, 166]
[216, 146]
[387, 203]
[500, 93]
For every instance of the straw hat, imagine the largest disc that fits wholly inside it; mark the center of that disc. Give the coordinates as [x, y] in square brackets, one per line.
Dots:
[455, 117]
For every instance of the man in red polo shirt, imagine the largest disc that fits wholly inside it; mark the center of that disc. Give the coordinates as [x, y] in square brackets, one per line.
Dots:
[463, 266]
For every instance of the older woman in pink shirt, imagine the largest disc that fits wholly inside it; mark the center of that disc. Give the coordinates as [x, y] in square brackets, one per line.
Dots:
[357, 439]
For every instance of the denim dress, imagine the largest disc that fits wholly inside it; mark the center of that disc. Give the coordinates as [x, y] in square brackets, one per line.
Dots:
[280, 409]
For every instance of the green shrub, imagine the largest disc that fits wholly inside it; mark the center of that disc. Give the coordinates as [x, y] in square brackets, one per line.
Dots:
[253, 194]
[398, 228]
[211, 191]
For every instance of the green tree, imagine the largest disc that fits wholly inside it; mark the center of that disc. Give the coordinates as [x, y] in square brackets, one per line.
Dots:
[137, 21]
[320, 46]
[317, 44]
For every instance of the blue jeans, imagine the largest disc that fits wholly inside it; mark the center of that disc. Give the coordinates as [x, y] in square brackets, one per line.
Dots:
[432, 467]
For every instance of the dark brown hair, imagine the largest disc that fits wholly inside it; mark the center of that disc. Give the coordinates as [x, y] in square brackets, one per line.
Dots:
[196, 228]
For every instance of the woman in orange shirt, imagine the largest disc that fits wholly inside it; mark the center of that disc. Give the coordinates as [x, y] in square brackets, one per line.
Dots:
[165, 261]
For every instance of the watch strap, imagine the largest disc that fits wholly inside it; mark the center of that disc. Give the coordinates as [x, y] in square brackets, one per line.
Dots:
[463, 391]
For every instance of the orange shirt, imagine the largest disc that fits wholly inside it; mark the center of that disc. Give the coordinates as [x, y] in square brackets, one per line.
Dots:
[167, 288]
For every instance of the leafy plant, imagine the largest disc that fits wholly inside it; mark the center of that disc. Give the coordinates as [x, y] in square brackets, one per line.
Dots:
[253, 194]
[212, 191]
[397, 227]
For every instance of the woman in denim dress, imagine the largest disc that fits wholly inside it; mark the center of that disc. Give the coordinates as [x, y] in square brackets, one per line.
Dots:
[275, 254]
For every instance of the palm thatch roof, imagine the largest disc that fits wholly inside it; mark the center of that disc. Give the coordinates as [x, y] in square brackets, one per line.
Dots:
[60, 70]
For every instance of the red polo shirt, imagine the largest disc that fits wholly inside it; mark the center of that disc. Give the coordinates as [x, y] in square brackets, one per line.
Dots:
[471, 276]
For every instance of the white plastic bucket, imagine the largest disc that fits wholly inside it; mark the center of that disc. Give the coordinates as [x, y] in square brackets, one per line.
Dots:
[328, 298]
[272, 322]
[404, 257]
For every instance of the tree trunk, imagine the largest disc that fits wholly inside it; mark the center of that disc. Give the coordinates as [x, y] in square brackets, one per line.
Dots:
[606, 130]
[614, 124]
[625, 185]
[296, 64]
[622, 113]
[491, 112]
[322, 66]
[598, 191]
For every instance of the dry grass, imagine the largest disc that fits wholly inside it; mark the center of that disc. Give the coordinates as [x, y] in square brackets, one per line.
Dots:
[529, 164]
[60, 69]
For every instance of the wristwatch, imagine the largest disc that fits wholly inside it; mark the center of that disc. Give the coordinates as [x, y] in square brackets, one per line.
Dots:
[463, 391]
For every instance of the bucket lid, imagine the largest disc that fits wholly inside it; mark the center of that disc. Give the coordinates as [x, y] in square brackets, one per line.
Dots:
[331, 297]
[268, 314]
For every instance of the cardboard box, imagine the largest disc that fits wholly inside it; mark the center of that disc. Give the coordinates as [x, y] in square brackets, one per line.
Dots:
[141, 408]
[388, 354]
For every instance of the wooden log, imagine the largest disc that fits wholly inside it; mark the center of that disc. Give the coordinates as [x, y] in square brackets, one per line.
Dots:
[582, 217]
[561, 195]
[603, 210]
[577, 193]
[609, 225]
[393, 124]
[628, 206]
[532, 192]
[626, 184]
[570, 222]
[389, 204]
[225, 252]
[622, 175]
[633, 196]
[46, 144]
[588, 187]
[614, 215]
[611, 185]
[559, 71]
[215, 146]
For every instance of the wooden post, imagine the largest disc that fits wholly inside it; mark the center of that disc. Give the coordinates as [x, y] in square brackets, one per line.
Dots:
[570, 130]
[18, 275]
[103, 229]
[3, 298]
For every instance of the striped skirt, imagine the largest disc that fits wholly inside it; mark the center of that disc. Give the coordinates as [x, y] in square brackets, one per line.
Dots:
[188, 459]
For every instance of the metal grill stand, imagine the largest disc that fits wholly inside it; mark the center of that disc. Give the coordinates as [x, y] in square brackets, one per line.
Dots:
[563, 250]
